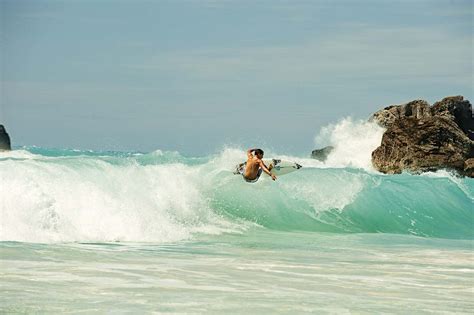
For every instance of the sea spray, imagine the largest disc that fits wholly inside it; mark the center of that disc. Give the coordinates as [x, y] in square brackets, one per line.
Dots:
[353, 142]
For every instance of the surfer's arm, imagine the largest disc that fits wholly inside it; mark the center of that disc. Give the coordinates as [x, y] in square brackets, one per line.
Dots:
[266, 170]
[249, 153]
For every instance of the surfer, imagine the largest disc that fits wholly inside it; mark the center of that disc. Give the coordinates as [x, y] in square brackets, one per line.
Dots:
[255, 166]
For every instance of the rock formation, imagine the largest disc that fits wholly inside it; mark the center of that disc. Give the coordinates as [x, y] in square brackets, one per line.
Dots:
[421, 137]
[469, 167]
[416, 109]
[4, 139]
[321, 154]
[457, 109]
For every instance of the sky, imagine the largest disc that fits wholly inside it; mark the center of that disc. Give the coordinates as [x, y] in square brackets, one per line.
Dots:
[196, 76]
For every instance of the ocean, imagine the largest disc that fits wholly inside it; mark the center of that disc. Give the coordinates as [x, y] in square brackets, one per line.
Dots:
[131, 233]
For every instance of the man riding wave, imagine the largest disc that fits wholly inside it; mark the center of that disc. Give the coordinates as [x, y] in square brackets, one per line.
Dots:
[254, 166]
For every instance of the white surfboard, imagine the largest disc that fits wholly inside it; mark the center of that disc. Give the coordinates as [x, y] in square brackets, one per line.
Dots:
[278, 167]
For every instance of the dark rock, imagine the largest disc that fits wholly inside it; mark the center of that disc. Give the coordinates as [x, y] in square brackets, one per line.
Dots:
[423, 138]
[4, 139]
[388, 115]
[422, 145]
[321, 154]
[469, 167]
[456, 108]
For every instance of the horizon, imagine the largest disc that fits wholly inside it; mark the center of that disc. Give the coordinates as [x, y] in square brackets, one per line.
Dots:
[194, 76]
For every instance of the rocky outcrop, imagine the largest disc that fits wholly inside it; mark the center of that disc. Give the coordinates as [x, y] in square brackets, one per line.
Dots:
[321, 154]
[4, 139]
[420, 137]
[457, 109]
[416, 109]
[469, 167]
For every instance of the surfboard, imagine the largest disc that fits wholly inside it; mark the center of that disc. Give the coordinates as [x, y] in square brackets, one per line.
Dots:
[279, 167]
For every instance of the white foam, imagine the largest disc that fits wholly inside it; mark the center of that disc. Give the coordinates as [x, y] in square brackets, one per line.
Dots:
[18, 154]
[326, 193]
[353, 142]
[91, 200]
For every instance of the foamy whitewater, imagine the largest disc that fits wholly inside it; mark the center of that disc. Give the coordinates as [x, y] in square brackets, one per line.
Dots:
[129, 232]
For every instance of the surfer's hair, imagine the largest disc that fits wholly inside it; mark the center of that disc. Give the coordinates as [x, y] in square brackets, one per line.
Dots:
[259, 152]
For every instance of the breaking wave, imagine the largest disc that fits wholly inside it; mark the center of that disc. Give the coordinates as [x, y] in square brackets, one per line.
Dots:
[74, 196]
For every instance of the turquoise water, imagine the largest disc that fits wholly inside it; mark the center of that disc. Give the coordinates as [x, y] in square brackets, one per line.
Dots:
[130, 232]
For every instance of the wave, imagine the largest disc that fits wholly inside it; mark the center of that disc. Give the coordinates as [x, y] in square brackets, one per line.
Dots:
[70, 195]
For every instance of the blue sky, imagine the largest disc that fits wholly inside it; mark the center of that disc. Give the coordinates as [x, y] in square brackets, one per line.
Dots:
[194, 76]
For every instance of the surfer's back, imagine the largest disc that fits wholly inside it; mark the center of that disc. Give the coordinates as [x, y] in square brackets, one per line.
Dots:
[252, 167]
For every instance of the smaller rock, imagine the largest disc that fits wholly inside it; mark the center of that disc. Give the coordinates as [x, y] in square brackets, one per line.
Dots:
[322, 154]
[4, 140]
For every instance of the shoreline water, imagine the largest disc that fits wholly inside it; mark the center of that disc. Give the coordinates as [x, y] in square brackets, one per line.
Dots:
[261, 271]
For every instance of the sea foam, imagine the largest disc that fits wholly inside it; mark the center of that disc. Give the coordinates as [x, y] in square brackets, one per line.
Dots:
[353, 142]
